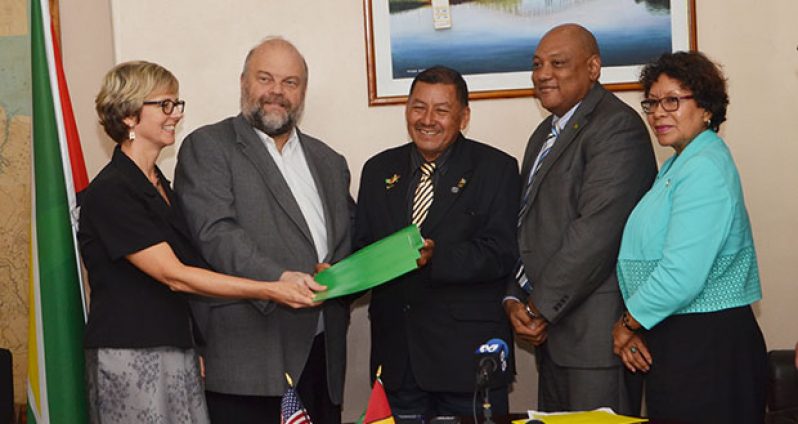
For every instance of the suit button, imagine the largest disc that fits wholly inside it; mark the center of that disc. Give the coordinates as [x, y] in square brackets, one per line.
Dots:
[406, 308]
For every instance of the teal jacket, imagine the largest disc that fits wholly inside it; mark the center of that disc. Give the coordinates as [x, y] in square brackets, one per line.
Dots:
[687, 246]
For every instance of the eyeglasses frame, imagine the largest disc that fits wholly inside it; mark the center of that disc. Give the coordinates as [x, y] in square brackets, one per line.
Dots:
[179, 104]
[653, 103]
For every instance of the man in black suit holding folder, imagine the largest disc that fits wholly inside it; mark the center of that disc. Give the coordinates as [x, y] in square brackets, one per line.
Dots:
[427, 325]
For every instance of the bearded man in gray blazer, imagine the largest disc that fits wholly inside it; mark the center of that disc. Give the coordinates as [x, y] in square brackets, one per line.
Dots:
[585, 167]
[262, 198]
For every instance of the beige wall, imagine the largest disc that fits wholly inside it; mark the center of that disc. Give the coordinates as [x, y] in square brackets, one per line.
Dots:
[205, 45]
[87, 38]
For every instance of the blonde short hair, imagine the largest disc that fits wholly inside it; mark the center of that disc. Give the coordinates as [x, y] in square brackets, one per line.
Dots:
[124, 89]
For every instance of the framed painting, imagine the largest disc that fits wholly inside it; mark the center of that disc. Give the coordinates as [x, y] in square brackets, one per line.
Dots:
[491, 42]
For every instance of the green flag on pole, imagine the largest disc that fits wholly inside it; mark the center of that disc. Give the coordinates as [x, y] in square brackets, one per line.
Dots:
[56, 389]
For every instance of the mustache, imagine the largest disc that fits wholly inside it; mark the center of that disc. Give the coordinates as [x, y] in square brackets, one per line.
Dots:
[277, 99]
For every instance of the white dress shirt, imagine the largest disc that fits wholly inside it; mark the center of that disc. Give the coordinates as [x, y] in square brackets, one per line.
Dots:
[292, 164]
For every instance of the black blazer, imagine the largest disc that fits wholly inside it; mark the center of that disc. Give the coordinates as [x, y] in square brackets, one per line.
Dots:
[122, 213]
[438, 316]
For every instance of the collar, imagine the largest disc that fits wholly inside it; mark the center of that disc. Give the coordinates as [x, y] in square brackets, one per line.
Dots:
[703, 139]
[291, 145]
[440, 163]
[696, 145]
[134, 175]
[559, 122]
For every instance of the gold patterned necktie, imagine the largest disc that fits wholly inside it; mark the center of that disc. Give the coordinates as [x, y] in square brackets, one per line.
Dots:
[422, 200]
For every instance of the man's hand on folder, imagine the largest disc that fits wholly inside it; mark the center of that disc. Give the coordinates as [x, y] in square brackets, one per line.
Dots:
[426, 252]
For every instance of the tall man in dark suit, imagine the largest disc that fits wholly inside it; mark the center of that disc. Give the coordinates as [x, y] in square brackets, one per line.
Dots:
[262, 198]
[584, 169]
[427, 325]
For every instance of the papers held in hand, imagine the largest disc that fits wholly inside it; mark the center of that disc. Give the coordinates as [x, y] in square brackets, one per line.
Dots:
[375, 264]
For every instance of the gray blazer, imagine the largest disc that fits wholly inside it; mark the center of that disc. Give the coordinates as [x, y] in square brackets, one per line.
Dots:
[600, 166]
[246, 222]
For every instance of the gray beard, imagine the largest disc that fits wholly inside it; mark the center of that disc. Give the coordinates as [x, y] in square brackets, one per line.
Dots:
[271, 125]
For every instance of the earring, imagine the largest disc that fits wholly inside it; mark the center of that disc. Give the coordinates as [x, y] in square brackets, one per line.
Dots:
[708, 122]
[131, 135]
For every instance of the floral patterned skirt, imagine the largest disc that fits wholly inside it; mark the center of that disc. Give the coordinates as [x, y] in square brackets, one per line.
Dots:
[153, 385]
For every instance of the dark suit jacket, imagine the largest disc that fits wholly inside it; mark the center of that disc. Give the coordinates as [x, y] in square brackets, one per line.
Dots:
[122, 213]
[439, 315]
[246, 222]
[600, 166]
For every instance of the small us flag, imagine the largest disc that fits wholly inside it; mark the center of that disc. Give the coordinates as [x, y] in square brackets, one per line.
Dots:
[291, 409]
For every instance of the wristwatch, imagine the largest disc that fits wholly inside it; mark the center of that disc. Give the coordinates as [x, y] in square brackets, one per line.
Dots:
[530, 312]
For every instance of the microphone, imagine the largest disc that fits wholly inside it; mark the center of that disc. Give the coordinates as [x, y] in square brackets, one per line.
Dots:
[491, 363]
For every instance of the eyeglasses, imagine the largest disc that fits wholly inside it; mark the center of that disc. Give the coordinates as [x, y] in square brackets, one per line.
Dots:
[168, 105]
[669, 104]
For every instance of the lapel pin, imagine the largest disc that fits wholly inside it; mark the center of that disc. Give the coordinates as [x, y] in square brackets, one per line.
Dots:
[460, 184]
[390, 182]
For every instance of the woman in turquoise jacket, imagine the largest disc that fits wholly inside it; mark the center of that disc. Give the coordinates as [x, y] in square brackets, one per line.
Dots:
[687, 267]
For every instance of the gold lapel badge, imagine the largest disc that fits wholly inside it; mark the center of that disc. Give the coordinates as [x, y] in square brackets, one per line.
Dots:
[460, 185]
[390, 182]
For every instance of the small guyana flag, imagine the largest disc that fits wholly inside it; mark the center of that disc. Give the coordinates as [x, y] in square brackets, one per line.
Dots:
[378, 411]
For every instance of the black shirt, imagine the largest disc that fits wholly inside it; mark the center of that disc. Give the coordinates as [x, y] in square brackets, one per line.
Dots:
[123, 213]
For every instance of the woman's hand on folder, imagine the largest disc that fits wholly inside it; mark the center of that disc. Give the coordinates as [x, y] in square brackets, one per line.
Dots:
[296, 289]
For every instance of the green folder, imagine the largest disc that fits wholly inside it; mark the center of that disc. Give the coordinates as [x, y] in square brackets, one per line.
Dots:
[375, 264]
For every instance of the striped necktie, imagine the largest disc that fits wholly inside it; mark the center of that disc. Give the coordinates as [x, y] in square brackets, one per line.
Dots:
[422, 200]
[520, 273]
[544, 151]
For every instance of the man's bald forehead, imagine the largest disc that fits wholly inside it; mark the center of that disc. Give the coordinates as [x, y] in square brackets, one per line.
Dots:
[578, 35]
[275, 42]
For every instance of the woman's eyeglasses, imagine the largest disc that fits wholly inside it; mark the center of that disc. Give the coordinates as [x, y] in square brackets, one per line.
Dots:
[669, 104]
[168, 105]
